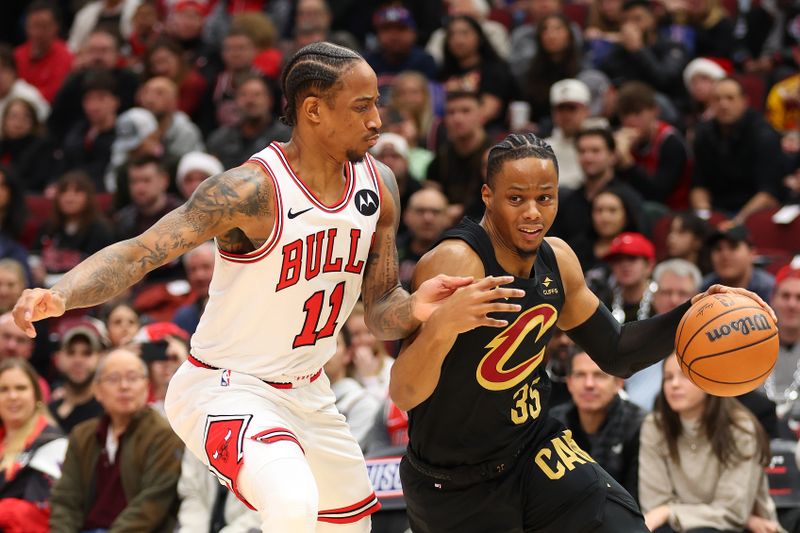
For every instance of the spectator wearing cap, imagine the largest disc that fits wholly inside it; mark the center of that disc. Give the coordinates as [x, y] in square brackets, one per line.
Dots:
[43, 60]
[732, 258]
[569, 101]
[399, 118]
[457, 167]
[122, 468]
[116, 16]
[642, 54]
[255, 129]
[87, 144]
[392, 150]
[783, 384]
[397, 50]
[699, 78]
[629, 292]
[193, 169]
[178, 134]
[199, 266]
[651, 155]
[185, 20]
[471, 64]
[76, 361]
[136, 135]
[738, 160]
[13, 87]
[101, 51]
[495, 31]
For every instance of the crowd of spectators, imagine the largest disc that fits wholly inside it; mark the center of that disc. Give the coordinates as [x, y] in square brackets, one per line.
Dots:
[677, 129]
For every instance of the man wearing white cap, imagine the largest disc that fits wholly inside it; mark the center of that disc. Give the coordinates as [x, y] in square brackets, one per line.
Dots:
[569, 101]
[193, 168]
[137, 134]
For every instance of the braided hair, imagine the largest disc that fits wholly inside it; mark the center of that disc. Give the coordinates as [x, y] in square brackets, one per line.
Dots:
[313, 71]
[517, 146]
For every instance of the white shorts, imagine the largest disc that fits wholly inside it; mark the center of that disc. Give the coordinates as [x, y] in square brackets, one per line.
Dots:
[215, 410]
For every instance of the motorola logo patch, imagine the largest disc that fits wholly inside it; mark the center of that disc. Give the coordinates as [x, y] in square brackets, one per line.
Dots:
[366, 202]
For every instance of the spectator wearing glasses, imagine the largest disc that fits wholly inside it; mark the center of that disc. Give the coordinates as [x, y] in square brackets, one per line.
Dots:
[121, 469]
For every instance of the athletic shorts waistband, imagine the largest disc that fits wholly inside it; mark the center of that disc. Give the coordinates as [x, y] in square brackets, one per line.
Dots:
[292, 384]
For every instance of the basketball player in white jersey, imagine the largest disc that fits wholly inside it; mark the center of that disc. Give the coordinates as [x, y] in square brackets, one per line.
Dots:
[301, 230]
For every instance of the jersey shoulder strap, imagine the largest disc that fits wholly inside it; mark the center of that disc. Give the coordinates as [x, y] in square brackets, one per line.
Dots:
[469, 231]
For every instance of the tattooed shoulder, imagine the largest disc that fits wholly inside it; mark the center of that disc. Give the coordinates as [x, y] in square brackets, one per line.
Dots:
[390, 183]
[238, 197]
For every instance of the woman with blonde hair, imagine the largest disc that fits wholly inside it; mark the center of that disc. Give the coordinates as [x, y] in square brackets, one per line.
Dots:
[32, 449]
[411, 94]
[701, 463]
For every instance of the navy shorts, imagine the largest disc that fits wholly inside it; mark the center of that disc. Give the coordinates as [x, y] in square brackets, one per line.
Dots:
[555, 487]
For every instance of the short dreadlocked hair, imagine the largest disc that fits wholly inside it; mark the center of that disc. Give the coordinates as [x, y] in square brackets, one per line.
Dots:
[314, 70]
[517, 146]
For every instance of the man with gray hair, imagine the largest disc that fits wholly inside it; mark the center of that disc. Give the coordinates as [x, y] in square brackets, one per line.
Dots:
[199, 266]
[121, 469]
[677, 281]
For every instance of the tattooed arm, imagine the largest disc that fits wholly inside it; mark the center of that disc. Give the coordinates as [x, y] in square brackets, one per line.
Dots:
[227, 206]
[391, 313]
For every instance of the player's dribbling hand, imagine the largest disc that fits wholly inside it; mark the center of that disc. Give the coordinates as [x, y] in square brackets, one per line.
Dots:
[719, 289]
[427, 297]
[469, 307]
[36, 304]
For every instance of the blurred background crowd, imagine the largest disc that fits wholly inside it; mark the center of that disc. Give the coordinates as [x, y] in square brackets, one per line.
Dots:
[676, 124]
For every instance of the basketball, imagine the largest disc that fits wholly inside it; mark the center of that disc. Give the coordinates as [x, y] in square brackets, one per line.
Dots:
[727, 344]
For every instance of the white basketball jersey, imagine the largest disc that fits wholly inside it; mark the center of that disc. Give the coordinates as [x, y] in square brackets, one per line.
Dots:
[275, 312]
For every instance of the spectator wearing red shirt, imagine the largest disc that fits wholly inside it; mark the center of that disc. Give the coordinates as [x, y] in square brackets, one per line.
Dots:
[43, 60]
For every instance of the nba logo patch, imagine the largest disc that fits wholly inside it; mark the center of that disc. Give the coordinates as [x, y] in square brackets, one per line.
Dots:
[225, 379]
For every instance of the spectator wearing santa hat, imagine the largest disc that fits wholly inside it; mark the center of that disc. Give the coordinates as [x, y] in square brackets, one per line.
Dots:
[699, 77]
[193, 168]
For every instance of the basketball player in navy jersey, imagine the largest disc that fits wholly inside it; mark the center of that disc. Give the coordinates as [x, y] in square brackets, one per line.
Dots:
[298, 228]
[483, 455]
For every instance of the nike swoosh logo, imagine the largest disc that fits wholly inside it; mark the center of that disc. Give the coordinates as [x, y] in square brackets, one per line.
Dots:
[297, 213]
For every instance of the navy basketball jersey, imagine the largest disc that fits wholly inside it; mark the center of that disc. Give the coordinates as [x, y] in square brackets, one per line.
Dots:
[493, 394]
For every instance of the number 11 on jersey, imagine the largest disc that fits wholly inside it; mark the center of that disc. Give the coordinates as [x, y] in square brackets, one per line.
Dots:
[313, 308]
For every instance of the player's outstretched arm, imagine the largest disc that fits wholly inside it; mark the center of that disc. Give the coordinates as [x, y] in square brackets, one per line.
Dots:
[618, 349]
[221, 203]
[416, 371]
[391, 313]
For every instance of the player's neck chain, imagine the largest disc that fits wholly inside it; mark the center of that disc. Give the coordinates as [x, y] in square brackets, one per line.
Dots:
[617, 309]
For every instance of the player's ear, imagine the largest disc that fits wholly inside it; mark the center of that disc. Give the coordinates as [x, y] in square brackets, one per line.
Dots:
[486, 194]
[311, 108]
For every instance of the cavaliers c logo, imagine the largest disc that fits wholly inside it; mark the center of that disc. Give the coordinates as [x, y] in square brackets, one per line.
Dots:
[491, 372]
